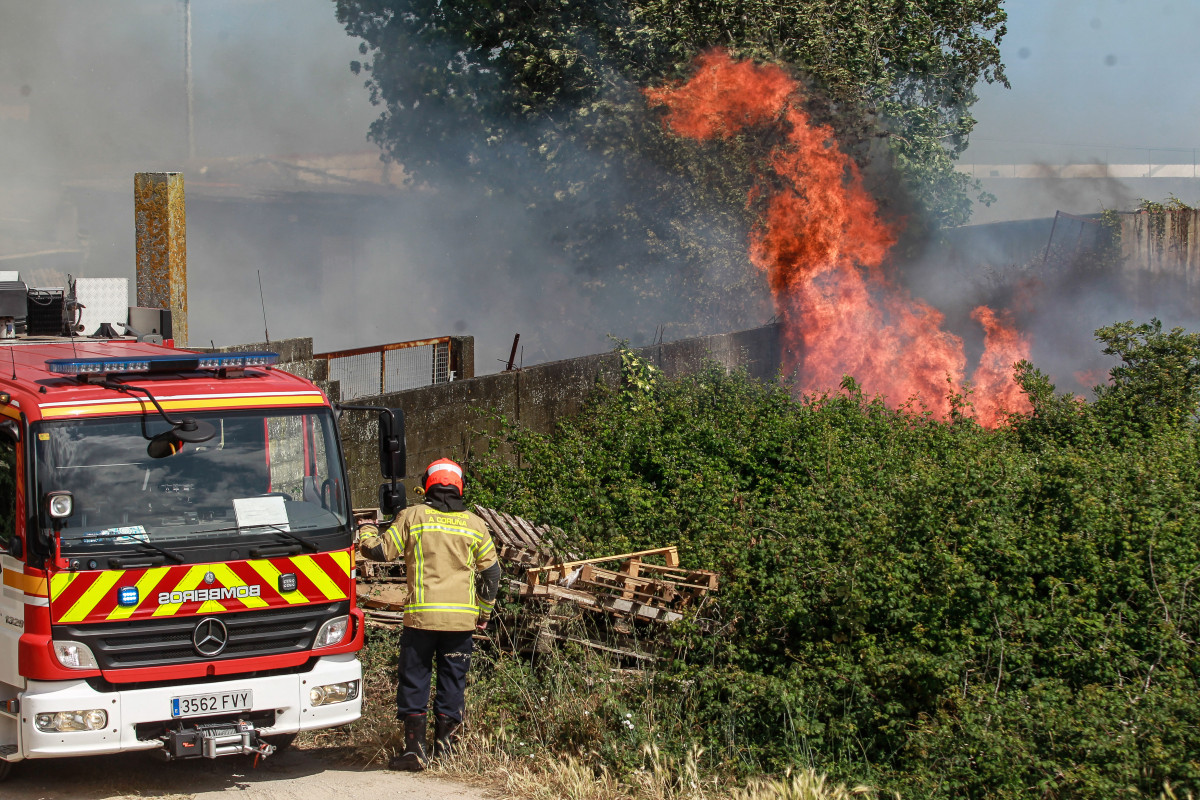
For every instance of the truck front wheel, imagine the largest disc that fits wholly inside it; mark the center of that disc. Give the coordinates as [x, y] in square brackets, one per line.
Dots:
[282, 741]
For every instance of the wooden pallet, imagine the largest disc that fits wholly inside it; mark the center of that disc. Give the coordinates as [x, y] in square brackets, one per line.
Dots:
[625, 586]
[635, 588]
[519, 543]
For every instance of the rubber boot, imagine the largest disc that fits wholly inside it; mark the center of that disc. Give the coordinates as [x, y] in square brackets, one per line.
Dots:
[414, 756]
[445, 735]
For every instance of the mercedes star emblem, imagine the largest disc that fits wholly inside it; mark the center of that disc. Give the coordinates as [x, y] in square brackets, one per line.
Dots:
[209, 578]
[210, 637]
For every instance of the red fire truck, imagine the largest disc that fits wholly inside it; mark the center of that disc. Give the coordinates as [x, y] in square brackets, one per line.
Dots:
[177, 552]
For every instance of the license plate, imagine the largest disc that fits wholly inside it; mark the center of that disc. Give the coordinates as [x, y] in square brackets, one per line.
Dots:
[196, 705]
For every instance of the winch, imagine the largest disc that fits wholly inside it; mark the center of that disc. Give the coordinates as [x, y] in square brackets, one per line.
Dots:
[213, 739]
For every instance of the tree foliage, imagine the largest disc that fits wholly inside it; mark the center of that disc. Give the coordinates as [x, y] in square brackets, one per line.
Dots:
[1158, 379]
[540, 101]
[928, 607]
[461, 80]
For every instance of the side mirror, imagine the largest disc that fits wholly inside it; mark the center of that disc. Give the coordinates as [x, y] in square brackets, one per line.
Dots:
[392, 499]
[59, 506]
[393, 456]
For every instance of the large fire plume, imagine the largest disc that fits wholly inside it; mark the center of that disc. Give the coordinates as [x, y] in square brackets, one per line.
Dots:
[822, 244]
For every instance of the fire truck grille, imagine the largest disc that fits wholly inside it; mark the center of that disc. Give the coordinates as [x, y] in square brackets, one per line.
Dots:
[151, 643]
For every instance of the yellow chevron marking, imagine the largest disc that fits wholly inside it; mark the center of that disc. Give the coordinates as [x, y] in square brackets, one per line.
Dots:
[210, 607]
[271, 575]
[190, 581]
[344, 560]
[59, 583]
[88, 600]
[309, 567]
[229, 579]
[145, 587]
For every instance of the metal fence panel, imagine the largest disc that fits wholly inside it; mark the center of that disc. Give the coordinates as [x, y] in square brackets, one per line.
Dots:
[371, 371]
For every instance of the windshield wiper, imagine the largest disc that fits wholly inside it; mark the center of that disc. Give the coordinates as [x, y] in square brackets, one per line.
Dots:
[301, 542]
[306, 543]
[121, 563]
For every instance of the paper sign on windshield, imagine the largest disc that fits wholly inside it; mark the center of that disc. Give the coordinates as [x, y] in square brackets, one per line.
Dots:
[258, 511]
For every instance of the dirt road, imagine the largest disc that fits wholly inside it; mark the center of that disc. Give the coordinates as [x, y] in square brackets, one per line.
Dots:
[296, 774]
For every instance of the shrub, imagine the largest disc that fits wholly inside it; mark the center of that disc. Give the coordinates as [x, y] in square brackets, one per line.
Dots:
[925, 606]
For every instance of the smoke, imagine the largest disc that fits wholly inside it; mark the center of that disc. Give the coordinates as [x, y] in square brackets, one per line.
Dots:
[92, 91]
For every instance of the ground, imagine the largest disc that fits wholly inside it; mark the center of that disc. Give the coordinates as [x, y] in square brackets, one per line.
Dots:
[297, 774]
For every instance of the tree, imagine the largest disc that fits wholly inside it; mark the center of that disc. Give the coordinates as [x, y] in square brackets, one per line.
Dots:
[540, 102]
[460, 81]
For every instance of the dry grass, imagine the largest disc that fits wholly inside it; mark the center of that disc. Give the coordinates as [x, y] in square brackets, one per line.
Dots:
[519, 765]
[545, 776]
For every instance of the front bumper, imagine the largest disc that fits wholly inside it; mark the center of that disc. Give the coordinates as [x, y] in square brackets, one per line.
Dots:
[286, 695]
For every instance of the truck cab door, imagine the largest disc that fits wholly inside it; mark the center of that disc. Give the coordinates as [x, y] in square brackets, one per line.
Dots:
[12, 595]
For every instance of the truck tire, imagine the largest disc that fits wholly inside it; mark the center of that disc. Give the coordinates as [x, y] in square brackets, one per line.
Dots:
[282, 741]
[6, 768]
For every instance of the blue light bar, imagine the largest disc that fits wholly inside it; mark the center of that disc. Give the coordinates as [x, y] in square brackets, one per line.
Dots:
[180, 362]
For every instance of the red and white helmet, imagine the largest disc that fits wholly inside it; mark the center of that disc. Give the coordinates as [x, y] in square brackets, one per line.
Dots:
[445, 472]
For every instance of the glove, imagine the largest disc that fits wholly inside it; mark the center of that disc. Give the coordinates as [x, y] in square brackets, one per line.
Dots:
[368, 539]
[482, 623]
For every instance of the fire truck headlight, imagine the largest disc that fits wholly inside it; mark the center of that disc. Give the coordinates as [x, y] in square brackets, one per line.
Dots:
[333, 693]
[74, 655]
[95, 719]
[332, 632]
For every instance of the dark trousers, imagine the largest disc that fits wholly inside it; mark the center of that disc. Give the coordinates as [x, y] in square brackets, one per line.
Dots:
[418, 651]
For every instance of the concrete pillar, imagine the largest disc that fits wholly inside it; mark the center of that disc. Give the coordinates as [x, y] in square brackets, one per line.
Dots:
[462, 357]
[161, 231]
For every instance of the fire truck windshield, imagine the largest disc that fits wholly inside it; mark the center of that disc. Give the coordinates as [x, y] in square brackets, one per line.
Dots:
[262, 473]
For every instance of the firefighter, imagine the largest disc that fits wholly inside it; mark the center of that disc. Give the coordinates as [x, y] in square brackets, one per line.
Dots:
[443, 546]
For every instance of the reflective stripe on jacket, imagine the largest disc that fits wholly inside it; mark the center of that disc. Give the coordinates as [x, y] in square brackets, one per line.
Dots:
[442, 552]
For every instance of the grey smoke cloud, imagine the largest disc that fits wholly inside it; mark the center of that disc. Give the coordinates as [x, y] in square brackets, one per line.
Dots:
[93, 90]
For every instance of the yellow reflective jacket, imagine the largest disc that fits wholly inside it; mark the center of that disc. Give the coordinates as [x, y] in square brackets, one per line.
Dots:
[442, 552]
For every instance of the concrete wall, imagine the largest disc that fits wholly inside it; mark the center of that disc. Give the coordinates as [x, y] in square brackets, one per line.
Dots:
[1163, 243]
[1160, 255]
[295, 356]
[458, 419]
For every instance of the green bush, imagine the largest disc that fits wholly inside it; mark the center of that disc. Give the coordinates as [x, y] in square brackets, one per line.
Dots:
[925, 606]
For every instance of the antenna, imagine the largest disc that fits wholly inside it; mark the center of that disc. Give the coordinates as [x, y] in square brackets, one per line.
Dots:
[266, 332]
[69, 311]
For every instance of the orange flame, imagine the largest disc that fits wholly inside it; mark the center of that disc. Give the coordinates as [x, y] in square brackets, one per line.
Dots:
[821, 244]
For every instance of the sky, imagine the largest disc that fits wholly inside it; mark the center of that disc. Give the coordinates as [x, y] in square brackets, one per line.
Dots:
[106, 78]
[89, 86]
[1092, 80]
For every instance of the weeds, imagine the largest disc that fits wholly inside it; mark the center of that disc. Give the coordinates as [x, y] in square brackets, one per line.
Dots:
[567, 724]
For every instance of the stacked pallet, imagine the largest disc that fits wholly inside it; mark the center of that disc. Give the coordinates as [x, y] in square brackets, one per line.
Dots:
[380, 586]
[519, 543]
[630, 586]
[625, 589]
